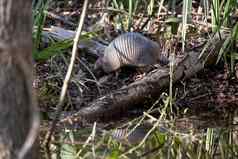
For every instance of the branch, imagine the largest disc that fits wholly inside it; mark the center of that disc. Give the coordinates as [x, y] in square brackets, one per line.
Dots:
[67, 77]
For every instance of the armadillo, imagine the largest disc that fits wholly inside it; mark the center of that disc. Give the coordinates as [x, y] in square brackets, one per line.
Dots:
[130, 49]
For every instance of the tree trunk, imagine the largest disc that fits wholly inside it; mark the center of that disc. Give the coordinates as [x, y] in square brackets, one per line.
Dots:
[17, 113]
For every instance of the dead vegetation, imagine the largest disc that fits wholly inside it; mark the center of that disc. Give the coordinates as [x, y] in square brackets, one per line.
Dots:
[197, 85]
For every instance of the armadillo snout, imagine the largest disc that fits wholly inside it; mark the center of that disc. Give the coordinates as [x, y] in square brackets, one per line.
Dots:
[105, 65]
[98, 64]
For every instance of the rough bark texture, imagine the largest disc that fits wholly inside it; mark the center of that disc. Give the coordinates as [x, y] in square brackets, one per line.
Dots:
[16, 102]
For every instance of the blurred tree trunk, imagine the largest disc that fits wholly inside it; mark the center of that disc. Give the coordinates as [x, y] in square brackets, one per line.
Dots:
[16, 99]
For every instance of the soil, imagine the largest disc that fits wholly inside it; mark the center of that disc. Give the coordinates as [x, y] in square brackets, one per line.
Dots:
[212, 94]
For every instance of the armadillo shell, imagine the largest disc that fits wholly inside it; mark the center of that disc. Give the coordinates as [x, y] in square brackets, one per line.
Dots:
[135, 136]
[130, 49]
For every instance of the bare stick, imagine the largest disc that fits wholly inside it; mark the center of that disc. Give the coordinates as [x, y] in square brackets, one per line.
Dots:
[67, 77]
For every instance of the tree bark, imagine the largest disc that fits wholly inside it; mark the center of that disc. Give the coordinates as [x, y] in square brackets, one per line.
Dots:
[17, 110]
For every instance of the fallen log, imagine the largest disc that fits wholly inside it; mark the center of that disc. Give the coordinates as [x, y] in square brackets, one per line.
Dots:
[149, 86]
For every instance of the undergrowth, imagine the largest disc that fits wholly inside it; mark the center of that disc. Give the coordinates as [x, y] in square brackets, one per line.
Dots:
[176, 24]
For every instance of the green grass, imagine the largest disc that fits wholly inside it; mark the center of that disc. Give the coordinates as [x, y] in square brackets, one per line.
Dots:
[169, 142]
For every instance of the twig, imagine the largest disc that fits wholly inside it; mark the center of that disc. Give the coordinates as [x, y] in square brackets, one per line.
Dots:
[60, 18]
[90, 138]
[93, 76]
[146, 22]
[67, 77]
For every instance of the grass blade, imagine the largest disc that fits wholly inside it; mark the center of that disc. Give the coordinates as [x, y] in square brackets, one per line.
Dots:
[187, 6]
